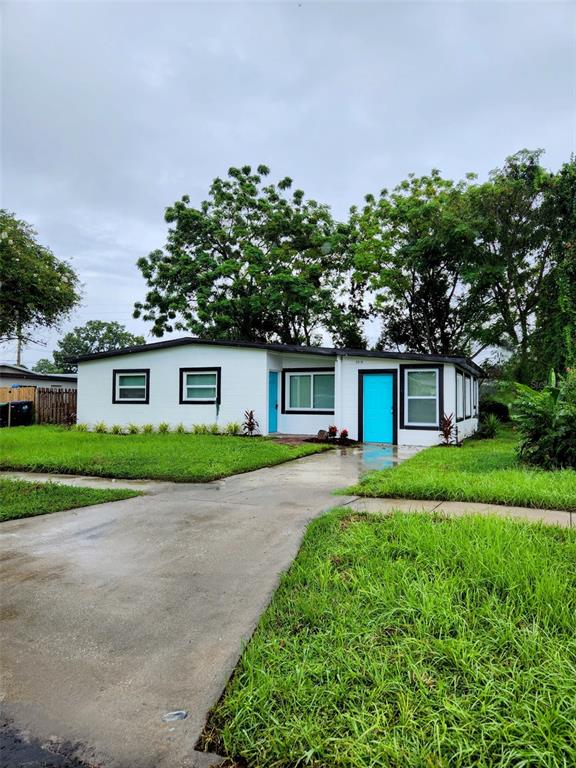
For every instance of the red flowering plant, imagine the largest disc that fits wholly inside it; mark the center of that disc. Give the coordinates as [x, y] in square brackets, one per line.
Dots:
[344, 434]
[332, 431]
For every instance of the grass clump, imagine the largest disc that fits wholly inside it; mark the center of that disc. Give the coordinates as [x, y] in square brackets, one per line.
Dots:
[483, 471]
[20, 498]
[101, 428]
[170, 456]
[411, 640]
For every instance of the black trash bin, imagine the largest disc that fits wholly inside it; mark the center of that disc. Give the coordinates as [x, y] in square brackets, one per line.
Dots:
[4, 414]
[21, 413]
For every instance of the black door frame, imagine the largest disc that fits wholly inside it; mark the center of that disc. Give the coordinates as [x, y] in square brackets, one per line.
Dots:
[384, 372]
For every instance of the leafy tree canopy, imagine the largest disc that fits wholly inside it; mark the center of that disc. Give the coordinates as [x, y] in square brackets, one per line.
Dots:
[95, 336]
[44, 365]
[514, 256]
[256, 262]
[414, 246]
[36, 289]
[553, 343]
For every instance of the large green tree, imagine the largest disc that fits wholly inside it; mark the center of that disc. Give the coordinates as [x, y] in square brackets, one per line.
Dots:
[254, 261]
[37, 290]
[553, 343]
[94, 336]
[514, 254]
[414, 246]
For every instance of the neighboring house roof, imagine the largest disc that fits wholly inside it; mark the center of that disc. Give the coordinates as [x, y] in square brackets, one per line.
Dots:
[7, 370]
[286, 348]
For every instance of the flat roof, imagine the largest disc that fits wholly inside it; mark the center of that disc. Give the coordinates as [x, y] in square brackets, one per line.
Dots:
[25, 373]
[463, 362]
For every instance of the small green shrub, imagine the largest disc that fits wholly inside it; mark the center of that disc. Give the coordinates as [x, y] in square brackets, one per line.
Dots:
[200, 429]
[232, 428]
[147, 429]
[100, 427]
[117, 429]
[546, 422]
[489, 406]
[80, 427]
[180, 429]
[488, 427]
[214, 429]
[163, 427]
[133, 429]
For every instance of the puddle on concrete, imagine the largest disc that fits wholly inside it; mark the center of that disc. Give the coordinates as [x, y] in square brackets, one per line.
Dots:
[373, 457]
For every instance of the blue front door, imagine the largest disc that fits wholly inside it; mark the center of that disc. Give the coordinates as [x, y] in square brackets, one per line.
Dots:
[378, 408]
[272, 401]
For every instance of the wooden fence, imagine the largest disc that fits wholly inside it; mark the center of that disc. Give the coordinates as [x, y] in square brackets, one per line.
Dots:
[56, 406]
[51, 406]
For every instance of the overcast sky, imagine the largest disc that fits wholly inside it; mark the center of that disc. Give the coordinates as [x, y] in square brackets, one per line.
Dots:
[112, 111]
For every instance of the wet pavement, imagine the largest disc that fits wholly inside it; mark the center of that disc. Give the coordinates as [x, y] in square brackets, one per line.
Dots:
[117, 614]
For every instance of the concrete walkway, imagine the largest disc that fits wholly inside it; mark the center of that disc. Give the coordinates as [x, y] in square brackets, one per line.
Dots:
[117, 614]
[460, 508]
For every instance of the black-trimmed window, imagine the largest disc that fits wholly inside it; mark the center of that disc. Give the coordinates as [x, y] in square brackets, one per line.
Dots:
[459, 396]
[468, 397]
[131, 385]
[308, 390]
[200, 386]
[421, 388]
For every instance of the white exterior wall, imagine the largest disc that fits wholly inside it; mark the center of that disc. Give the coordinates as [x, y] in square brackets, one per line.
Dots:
[347, 412]
[299, 423]
[243, 387]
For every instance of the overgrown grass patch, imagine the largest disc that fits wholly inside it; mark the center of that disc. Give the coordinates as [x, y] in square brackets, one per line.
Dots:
[21, 498]
[481, 470]
[411, 641]
[172, 456]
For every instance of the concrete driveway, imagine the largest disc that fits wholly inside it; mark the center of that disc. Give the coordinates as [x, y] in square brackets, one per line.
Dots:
[117, 614]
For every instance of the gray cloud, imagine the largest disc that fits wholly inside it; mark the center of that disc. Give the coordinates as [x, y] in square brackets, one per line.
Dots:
[111, 111]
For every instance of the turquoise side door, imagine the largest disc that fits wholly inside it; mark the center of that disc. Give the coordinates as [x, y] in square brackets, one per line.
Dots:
[272, 401]
[378, 410]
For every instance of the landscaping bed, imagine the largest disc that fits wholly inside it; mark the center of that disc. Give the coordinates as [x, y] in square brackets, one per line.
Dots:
[480, 471]
[170, 456]
[21, 498]
[411, 640]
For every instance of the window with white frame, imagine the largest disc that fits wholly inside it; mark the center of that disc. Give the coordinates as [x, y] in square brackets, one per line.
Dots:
[421, 397]
[131, 386]
[313, 391]
[468, 398]
[459, 395]
[200, 385]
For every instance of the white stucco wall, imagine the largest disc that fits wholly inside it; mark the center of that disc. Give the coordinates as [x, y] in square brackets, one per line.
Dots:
[243, 387]
[347, 413]
[299, 423]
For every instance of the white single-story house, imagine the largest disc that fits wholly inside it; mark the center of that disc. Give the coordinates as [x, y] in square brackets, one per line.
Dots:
[19, 376]
[380, 397]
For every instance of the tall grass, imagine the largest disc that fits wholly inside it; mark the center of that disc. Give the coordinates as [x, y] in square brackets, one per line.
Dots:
[20, 498]
[169, 456]
[412, 641]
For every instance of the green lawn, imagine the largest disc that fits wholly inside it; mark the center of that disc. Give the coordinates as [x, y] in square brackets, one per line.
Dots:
[20, 498]
[411, 641]
[481, 470]
[192, 458]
